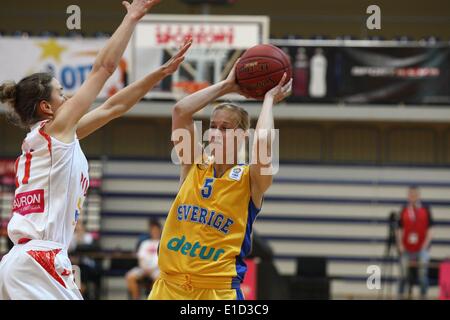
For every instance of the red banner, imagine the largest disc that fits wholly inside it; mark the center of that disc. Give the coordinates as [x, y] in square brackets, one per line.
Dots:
[249, 286]
[444, 281]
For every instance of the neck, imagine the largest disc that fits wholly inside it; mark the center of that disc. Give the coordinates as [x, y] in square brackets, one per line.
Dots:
[221, 168]
[414, 203]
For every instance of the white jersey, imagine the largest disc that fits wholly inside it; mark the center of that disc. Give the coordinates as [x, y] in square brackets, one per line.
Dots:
[148, 254]
[51, 185]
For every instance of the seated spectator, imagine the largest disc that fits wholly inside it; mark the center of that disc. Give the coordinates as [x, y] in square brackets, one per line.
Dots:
[147, 254]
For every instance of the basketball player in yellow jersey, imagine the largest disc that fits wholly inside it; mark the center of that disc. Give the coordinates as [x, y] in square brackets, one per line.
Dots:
[207, 233]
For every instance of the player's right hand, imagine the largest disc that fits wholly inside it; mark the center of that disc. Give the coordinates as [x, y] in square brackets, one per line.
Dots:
[173, 63]
[138, 8]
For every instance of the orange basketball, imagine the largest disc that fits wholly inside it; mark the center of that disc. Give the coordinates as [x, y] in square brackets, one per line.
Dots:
[261, 68]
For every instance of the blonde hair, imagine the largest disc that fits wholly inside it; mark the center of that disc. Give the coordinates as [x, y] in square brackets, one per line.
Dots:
[243, 116]
[243, 123]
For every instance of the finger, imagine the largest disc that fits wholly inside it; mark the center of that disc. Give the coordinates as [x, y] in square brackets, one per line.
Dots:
[176, 63]
[287, 86]
[183, 44]
[236, 63]
[280, 84]
[185, 47]
[188, 40]
[152, 3]
[148, 5]
[126, 4]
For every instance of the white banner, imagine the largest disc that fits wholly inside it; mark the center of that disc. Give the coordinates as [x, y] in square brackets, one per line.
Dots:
[69, 60]
[217, 42]
[213, 35]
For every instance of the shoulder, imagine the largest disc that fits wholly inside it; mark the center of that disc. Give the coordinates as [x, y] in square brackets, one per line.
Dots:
[145, 243]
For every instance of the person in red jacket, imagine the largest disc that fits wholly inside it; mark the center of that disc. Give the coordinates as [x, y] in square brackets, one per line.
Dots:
[413, 239]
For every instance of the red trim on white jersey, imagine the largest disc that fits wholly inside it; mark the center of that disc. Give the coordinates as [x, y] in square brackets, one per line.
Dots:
[28, 157]
[46, 136]
[16, 165]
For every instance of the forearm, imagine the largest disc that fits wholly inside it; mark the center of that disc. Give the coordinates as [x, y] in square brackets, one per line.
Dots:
[265, 120]
[200, 99]
[109, 56]
[264, 133]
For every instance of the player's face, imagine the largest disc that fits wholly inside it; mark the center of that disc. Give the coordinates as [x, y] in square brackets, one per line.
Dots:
[223, 125]
[57, 96]
[413, 195]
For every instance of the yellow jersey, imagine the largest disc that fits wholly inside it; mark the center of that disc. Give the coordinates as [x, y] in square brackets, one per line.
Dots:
[208, 228]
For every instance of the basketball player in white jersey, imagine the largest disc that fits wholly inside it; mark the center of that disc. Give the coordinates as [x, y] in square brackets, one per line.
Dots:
[52, 172]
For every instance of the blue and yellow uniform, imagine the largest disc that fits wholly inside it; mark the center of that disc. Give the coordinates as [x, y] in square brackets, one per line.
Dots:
[206, 236]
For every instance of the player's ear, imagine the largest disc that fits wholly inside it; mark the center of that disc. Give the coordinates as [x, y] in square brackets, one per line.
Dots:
[44, 108]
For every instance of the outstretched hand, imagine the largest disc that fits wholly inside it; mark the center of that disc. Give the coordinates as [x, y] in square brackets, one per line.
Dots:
[138, 8]
[280, 91]
[173, 63]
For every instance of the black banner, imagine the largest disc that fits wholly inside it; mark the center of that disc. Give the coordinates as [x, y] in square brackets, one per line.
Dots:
[390, 74]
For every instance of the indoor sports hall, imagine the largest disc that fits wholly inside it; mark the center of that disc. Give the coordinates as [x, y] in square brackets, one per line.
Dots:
[359, 206]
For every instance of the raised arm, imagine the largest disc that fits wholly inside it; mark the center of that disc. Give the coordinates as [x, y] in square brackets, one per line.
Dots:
[260, 168]
[182, 120]
[67, 116]
[125, 99]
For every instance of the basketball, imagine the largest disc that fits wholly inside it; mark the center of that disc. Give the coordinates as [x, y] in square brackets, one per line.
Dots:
[261, 68]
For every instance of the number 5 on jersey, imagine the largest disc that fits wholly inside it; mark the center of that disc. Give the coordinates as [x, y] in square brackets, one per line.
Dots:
[207, 188]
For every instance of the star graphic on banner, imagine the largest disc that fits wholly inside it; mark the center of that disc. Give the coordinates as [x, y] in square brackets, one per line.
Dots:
[51, 49]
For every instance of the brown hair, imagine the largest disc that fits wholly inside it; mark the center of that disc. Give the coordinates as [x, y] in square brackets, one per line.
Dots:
[243, 116]
[25, 96]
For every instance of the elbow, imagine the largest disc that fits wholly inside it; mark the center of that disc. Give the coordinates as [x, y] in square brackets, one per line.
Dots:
[117, 111]
[112, 111]
[177, 111]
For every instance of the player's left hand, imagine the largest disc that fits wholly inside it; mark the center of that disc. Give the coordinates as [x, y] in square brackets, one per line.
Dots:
[173, 63]
[280, 92]
[231, 82]
[138, 8]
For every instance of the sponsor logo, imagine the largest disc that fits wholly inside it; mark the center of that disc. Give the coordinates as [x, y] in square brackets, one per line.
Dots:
[29, 202]
[255, 66]
[195, 250]
[236, 173]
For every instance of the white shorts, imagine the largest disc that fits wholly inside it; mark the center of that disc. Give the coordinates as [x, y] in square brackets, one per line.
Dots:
[37, 270]
[140, 273]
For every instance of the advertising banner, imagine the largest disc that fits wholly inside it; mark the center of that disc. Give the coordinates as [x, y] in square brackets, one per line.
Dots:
[364, 73]
[69, 60]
